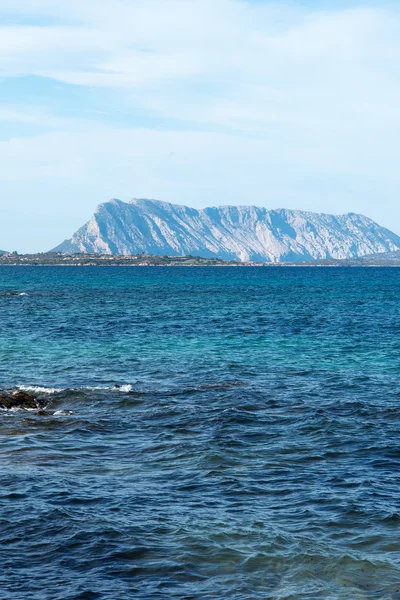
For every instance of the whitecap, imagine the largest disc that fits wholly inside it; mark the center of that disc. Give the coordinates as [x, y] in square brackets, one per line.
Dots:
[125, 389]
[18, 409]
[37, 389]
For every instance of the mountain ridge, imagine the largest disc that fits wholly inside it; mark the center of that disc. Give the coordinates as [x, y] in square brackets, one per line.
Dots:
[383, 259]
[228, 232]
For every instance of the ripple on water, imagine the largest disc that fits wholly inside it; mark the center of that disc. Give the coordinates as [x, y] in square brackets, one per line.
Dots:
[206, 434]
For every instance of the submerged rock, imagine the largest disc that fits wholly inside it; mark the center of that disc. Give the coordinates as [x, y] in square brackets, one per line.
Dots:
[19, 399]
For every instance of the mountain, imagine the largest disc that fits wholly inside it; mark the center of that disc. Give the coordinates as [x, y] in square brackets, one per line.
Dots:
[386, 259]
[383, 259]
[228, 232]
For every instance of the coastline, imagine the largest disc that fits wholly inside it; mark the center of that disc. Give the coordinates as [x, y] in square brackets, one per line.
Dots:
[248, 266]
[145, 260]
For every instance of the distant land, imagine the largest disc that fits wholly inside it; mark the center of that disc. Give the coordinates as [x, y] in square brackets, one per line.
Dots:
[386, 259]
[238, 233]
[88, 260]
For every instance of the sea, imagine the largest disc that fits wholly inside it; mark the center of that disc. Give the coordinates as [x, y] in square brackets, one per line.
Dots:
[210, 433]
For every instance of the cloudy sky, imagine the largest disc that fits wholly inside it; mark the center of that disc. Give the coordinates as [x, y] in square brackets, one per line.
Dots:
[199, 102]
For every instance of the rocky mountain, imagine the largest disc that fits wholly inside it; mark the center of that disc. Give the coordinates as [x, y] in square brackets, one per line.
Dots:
[228, 232]
[384, 259]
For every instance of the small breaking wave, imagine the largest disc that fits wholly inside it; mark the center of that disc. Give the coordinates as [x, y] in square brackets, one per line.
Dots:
[124, 389]
[37, 389]
[14, 409]
[13, 294]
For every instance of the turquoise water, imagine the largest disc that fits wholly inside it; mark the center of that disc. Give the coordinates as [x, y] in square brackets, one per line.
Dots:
[252, 449]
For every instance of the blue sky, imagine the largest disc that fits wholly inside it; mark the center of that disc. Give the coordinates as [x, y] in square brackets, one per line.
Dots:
[199, 102]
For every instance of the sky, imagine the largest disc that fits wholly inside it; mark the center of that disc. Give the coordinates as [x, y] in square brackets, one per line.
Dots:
[198, 102]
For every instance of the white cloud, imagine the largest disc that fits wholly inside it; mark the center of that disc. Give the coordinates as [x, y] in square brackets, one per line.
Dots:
[297, 106]
[257, 66]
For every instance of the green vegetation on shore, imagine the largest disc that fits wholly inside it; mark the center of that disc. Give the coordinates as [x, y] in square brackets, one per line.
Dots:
[86, 260]
[387, 259]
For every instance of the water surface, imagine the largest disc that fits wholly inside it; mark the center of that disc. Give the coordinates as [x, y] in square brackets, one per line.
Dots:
[251, 451]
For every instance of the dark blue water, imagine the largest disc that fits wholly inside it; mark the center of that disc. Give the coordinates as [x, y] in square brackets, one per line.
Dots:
[253, 450]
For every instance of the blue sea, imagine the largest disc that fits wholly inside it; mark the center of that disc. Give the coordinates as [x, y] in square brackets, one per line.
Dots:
[251, 450]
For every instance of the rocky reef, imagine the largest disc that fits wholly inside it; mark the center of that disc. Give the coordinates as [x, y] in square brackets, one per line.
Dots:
[19, 399]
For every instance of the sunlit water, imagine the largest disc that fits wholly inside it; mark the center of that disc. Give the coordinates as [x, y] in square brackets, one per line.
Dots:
[252, 450]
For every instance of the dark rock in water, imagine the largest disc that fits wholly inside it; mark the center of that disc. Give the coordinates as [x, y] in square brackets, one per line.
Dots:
[25, 400]
[44, 413]
[18, 400]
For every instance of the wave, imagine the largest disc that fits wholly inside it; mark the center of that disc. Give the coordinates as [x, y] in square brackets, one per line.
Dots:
[124, 389]
[12, 294]
[37, 389]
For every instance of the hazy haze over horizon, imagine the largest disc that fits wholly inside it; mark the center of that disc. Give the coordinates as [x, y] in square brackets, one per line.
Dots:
[197, 102]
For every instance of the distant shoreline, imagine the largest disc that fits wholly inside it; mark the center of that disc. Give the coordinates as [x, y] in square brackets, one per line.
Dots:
[52, 259]
[282, 265]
